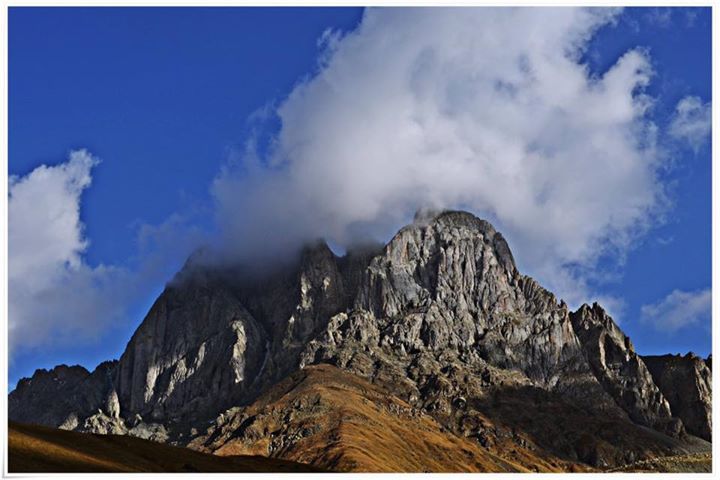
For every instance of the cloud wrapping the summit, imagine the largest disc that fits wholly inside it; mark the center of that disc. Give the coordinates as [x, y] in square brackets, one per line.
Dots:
[484, 109]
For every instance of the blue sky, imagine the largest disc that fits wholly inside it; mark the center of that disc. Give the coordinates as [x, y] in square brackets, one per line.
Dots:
[170, 99]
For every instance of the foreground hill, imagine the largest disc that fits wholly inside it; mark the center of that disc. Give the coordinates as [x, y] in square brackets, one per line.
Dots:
[335, 420]
[497, 372]
[38, 449]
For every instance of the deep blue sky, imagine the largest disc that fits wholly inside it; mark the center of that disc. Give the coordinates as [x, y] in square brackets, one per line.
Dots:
[681, 55]
[162, 96]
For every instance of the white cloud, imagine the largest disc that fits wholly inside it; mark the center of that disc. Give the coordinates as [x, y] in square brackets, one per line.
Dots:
[54, 296]
[44, 218]
[678, 309]
[57, 298]
[484, 109]
[692, 122]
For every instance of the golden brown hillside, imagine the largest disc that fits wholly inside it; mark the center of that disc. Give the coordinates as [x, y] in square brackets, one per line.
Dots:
[38, 449]
[329, 418]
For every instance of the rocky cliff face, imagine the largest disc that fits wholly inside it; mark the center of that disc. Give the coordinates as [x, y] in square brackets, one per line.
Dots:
[62, 396]
[439, 318]
[686, 381]
[620, 370]
[193, 355]
[452, 285]
[445, 295]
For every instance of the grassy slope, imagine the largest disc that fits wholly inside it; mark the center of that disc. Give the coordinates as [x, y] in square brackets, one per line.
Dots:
[320, 416]
[37, 449]
[329, 418]
[353, 425]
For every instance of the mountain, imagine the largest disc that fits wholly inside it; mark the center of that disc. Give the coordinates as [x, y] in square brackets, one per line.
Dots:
[436, 335]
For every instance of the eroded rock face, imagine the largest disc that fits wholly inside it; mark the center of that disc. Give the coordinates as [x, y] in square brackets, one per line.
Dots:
[215, 338]
[452, 284]
[443, 319]
[449, 285]
[620, 370]
[686, 381]
[61, 396]
[192, 355]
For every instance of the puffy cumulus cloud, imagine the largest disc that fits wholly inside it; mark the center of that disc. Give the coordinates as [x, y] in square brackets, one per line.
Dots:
[490, 110]
[54, 296]
[692, 122]
[678, 309]
[44, 225]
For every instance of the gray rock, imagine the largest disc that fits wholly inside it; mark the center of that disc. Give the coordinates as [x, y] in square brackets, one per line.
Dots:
[620, 370]
[195, 353]
[62, 396]
[217, 337]
[686, 381]
[103, 424]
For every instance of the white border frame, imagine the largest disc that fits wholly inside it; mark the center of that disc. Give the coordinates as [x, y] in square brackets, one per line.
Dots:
[279, 3]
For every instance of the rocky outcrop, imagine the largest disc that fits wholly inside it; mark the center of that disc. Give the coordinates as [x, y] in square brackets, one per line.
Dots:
[621, 371]
[61, 396]
[192, 355]
[686, 381]
[215, 338]
[451, 284]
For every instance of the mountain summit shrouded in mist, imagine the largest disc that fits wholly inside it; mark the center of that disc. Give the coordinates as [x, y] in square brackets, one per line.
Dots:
[592, 159]
[461, 112]
[436, 331]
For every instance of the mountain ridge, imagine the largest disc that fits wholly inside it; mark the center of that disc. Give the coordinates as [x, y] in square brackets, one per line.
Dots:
[439, 317]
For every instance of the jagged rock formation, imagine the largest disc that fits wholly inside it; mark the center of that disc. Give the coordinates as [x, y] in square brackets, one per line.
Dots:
[620, 370]
[191, 355]
[214, 339]
[687, 384]
[61, 396]
[439, 318]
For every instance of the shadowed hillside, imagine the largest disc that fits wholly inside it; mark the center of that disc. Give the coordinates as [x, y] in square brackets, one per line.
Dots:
[37, 449]
[338, 421]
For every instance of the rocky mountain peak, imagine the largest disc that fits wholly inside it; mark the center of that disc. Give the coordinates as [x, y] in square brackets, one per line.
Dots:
[439, 317]
[620, 370]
